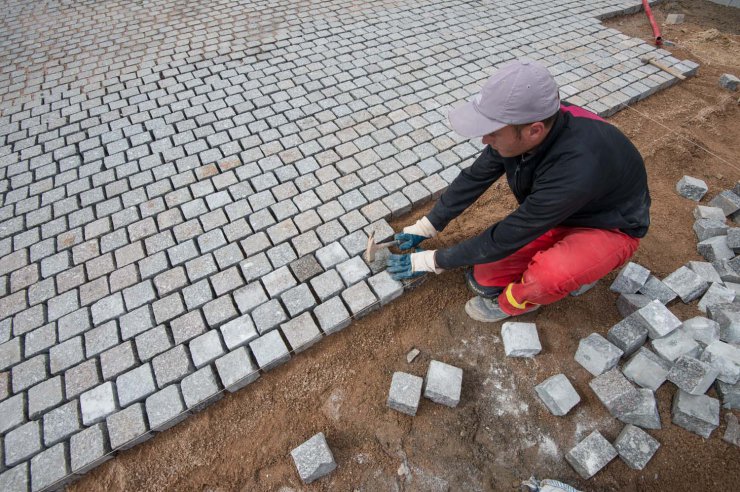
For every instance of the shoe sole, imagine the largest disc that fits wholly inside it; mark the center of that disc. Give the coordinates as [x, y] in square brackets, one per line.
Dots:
[474, 315]
[475, 289]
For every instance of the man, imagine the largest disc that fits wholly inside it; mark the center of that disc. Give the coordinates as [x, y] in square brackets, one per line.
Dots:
[581, 187]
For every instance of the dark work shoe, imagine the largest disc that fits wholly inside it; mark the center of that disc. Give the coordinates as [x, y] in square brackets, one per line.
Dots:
[481, 290]
[485, 310]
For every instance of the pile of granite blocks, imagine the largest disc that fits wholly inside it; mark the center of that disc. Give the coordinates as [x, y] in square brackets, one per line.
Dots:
[654, 346]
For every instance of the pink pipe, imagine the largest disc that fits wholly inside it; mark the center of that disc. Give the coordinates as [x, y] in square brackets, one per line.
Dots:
[656, 29]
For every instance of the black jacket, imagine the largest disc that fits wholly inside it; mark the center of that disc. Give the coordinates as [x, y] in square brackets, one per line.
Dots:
[585, 174]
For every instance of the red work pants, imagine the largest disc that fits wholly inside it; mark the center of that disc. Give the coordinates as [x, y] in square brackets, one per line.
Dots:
[555, 264]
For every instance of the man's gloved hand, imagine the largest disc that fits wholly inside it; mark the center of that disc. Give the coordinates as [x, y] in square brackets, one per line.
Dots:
[414, 234]
[412, 265]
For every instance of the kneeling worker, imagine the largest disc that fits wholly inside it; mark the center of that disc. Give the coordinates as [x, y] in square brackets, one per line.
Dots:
[580, 183]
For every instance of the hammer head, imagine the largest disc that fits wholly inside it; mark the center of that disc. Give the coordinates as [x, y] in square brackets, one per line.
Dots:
[645, 59]
[372, 247]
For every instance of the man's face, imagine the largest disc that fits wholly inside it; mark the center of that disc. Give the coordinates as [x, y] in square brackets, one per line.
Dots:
[508, 143]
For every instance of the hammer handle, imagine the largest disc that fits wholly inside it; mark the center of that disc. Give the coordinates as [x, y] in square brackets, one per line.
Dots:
[671, 71]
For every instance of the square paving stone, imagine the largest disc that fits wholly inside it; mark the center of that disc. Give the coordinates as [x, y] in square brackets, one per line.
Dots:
[630, 279]
[646, 369]
[269, 350]
[172, 366]
[98, 403]
[50, 468]
[200, 389]
[66, 354]
[88, 448]
[152, 342]
[353, 270]
[558, 394]
[118, 360]
[591, 455]
[236, 369]
[61, 423]
[692, 375]
[219, 310]
[520, 339]
[313, 459]
[635, 446]
[443, 383]
[658, 320]
[45, 396]
[137, 321]
[298, 299]
[268, 316]
[238, 332]
[301, 332]
[81, 378]
[206, 348]
[15, 479]
[135, 385]
[187, 327]
[128, 427]
[23, 442]
[165, 408]
[331, 255]
[405, 393]
[674, 345]
[385, 287]
[305, 268]
[687, 284]
[628, 335]
[360, 299]
[249, 297]
[696, 413]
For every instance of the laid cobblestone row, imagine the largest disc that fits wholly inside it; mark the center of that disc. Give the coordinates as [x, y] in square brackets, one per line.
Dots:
[171, 223]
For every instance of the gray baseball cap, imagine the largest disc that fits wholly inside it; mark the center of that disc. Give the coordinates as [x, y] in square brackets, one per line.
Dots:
[520, 92]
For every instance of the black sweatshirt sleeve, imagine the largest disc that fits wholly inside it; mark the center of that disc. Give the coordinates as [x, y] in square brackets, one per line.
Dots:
[552, 201]
[469, 185]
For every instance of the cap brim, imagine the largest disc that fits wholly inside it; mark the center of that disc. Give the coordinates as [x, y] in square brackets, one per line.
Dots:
[468, 122]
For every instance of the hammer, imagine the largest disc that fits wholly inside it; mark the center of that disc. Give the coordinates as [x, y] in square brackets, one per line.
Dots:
[372, 247]
[652, 61]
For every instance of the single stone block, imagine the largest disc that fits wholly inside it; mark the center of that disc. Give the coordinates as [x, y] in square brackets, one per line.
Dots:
[596, 354]
[643, 411]
[353, 270]
[709, 228]
[269, 350]
[728, 201]
[313, 459]
[558, 394]
[301, 332]
[657, 290]
[128, 427]
[715, 248]
[87, 449]
[658, 320]
[696, 413]
[725, 358]
[405, 393]
[49, 468]
[692, 375]
[45, 396]
[236, 369]
[172, 366]
[12, 412]
[674, 345]
[703, 212]
[614, 391]
[23, 442]
[385, 287]
[98, 403]
[443, 383]
[591, 455]
[268, 316]
[332, 315]
[331, 255]
[61, 423]
[135, 385]
[635, 446]
[629, 334]
[729, 82]
[360, 299]
[730, 394]
[165, 408]
[630, 279]
[520, 339]
[702, 330]
[646, 369]
[716, 294]
[629, 303]
[687, 284]
[705, 270]
[298, 299]
[728, 317]
[689, 187]
[206, 348]
[732, 432]
[200, 389]
[733, 239]
[238, 332]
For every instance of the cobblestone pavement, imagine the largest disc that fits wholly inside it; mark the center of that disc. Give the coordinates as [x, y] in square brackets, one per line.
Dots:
[185, 187]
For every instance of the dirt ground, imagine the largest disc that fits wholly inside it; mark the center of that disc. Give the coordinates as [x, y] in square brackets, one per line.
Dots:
[500, 434]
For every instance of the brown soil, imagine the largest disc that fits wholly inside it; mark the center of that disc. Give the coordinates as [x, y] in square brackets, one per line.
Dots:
[500, 434]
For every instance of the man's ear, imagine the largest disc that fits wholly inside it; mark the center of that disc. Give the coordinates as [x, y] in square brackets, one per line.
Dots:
[536, 129]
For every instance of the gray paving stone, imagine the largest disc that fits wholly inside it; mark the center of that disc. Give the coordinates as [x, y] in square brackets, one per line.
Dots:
[172, 366]
[23, 442]
[687, 284]
[278, 281]
[353, 270]
[630, 279]
[591, 455]
[725, 358]
[98, 403]
[728, 317]
[704, 212]
[107, 308]
[66, 354]
[61, 423]
[236, 369]
[238, 332]
[165, 408]
[313, 459]
[219, 310]
[331, 255]
[13, 412]
[628, 335]
[81, 378]
[152, 342]
[385, 287]
[10, 353]
[135, 322]
[16, 479]
[520, 339]
[728, 201]
[702, 330]
[332, 315]
[658, 320]
[696, 413]
[692, 375]
[646, 369]
[715, 248]
[635, 446]
[88, 448]
[45, 396]
[729, 393]
[200, 389]
[676, 344]
[558, 394]
[301, 332]
[705, 270]
[405, 393]
[135, 385]
[269, 350]
[691, 188]
[29, 372]
[206, 348]
[305, 268]
[360, 299]
[443, 383]
[168, 308]
[49, 468]
[249, 297]
[655, 289]
[716, 294]
[268, 316]
[128, 427]
[117, 360]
